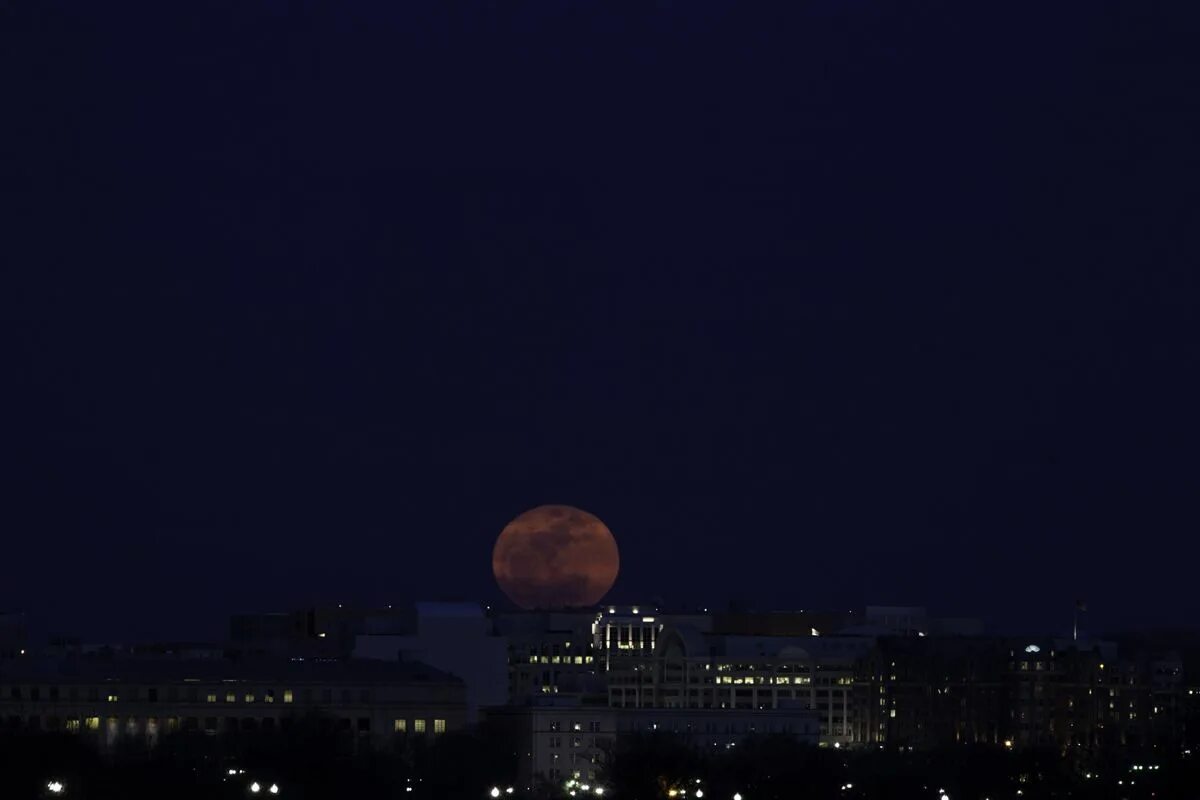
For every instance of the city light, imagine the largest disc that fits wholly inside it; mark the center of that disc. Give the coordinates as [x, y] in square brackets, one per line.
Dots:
[274, 788]
[737, 796]
[495, 792]
[55, 787]
[255, 788]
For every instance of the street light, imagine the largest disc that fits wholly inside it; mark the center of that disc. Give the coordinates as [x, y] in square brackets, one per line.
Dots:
[737, 796]
[55, 787]
[495, 792]
[255, 788]
[274, 788]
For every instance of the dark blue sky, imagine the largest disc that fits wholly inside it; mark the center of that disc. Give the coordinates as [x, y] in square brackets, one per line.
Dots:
[813, 303]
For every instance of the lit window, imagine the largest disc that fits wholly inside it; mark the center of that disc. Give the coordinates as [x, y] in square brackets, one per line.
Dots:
[439, 726]
[230, 697]
[287, 695]
[212, 698]
[92, 723]
[419, 725]
[112, 698]
[249, 697]
[269, 696]
[400, 726]
[72, 725]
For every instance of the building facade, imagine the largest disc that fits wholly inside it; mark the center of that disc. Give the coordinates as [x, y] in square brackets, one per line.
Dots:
[931, 692]
[145, 699]
[560, 738]
[693, 670]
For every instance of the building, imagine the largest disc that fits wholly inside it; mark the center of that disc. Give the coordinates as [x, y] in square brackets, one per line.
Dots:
[556, 738]
[736, 673]
[622, 631]
[549, 652]
[457, 638]
[144, 698]
[559, 738]
[931, 692]
[928, 692]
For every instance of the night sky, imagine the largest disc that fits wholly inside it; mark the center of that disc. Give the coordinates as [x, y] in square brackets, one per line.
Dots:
[814, 303]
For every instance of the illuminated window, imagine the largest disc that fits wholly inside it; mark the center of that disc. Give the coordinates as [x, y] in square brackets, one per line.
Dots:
[269, 696]
[212, 698]
[249, 697]
[92, 723]
[112, 698]
[287, 695]
[72, 725]
[439, 726]
[230, 697]
[400, 726]
[419, 725]
[578, 659]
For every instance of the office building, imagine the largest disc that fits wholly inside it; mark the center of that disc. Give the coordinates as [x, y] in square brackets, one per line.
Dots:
[694, 670]
[108, 699]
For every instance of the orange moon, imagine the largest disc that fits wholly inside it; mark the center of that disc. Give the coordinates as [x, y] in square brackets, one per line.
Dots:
[555, 557]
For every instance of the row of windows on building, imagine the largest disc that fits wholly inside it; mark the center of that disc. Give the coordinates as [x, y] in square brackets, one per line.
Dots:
[418, 726]
[781, 680]
[214, 724]
[593, 726]
[578, 660]
[188, 695]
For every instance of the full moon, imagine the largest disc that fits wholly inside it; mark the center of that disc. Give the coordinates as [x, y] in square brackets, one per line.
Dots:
[555, 557]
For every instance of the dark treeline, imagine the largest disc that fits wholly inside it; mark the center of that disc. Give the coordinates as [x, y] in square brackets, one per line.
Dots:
[311, 761]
